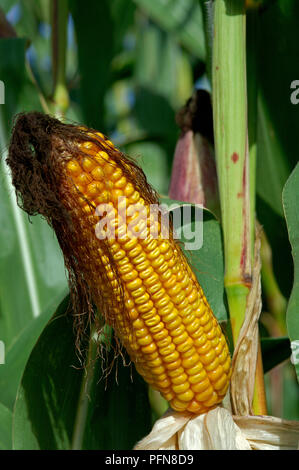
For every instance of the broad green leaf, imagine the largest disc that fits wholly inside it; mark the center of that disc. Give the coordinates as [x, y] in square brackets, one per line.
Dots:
[277, 144]
[272, 166]
[276, 230]
[12, 72]
[282, 392]
[18, 299]
[152, 158]
[162, 83]
[5, 428]
[119, 415]
[95, 30]
[122, 12]
[274, 351]
[18, 352]
[280, 116]
[26, 20]
[207, 261]
[291, 209]
[181, 18]
[290, 404]
[154, 114]
[160, 65]
[32, 269]
[57, 408]
[48, 394]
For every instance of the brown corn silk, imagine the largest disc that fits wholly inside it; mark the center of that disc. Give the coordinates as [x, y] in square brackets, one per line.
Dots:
[142, 285]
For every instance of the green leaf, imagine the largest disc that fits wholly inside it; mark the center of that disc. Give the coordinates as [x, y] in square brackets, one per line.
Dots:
[152, 158]
[48, 394]
[160, 65]
[5, 428]
[274, 351]
[154, 114]
[272, 166]
[58, 408]
[276, 230]
[19, 351]
[277, 142]
[119, 415]
[96, 46]
[182, 18]
[290, 393]
[12, 72]
[122, 13]
[291, 209]
[27, 24]
[6, 5]
[207, 261]
[32, 267]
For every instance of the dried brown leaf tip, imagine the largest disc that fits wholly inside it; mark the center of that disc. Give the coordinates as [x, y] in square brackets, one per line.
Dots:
[119, 258]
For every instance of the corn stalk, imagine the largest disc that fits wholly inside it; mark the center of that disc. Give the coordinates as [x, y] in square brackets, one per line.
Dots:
[59, 18]
[236, 170]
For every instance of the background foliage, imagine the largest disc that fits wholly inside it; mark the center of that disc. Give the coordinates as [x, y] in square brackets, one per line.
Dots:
[130, 65]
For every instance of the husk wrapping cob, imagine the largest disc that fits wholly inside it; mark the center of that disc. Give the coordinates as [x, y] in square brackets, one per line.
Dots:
[139, 280]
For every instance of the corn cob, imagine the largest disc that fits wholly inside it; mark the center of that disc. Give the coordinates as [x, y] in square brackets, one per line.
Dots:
[142, 285]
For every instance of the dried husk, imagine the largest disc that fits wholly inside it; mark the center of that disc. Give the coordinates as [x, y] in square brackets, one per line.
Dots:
[218, 429]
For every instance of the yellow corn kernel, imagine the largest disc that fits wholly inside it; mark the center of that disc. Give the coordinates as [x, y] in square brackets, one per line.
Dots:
[74, 168]
[205, 395]
[176, 372]
[157, 370]
[211, 401]
[88, 164]
[178, 405]
[201, 386]
[145, 340]
[194, 407]
[186, 396]
[182, 378]
[83, 179]
[98, 174]
[94, 189]
[150, 348]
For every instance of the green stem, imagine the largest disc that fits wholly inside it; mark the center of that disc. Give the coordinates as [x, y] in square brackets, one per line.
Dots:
[81, 417]
[252, 44]
[235, 144]
[231, 144]
[104, 338]
[59, 18]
